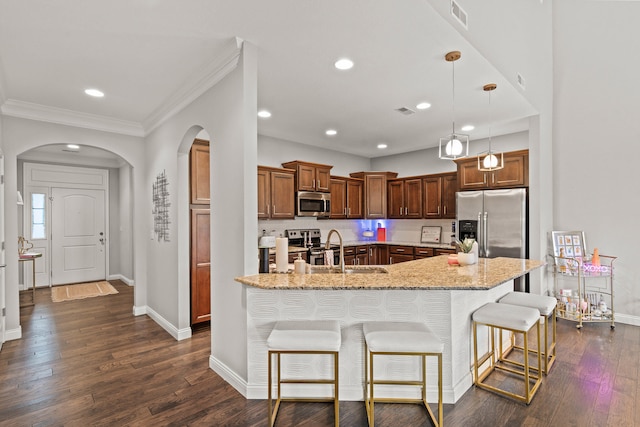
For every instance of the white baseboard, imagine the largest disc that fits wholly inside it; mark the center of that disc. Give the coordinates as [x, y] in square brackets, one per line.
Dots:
[229, 376]
[126, 280]
[178, 334]
[627, 319]
[139, 311]
[13, 334]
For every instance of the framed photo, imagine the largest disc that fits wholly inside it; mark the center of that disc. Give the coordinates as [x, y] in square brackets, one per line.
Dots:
[569, 244]
[430, 234]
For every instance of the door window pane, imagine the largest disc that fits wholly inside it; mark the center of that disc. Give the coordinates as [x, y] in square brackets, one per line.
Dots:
[38, 230]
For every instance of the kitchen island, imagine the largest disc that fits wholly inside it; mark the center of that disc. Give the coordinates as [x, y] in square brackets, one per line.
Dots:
[427, 290]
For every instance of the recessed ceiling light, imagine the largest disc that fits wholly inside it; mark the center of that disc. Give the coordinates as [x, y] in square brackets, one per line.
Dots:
[73, 146]
[94, 92]
[344, 64]
[264, 114]
[467, 128]
[382, 146]
[423, 106]
[331, 132]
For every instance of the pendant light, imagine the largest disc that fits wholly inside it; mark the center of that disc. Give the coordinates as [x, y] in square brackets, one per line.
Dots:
[454, 145]
[488, 160]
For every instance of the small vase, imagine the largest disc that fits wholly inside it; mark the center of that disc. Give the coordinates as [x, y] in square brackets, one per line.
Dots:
[466, 258]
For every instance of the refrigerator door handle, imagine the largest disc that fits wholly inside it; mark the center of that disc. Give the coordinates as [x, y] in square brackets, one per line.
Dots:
[479, 237]
[484, 233]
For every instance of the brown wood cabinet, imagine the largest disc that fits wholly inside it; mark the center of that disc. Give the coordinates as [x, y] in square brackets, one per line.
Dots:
[400, 253]
[420, 252]
[310, 176]
[442, 251]
[375, 192]
[346, 197]
[378, 255]
[199, 175]
[515, 173]
[362, 255]
[350, 255]
[404, 198]
[199, 252]
[440, 195]
[276, 193]
[200, 266]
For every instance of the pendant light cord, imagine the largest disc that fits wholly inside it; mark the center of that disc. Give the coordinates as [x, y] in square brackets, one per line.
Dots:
[453, 99]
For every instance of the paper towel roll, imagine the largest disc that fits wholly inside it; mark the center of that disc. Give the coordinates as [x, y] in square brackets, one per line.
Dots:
[282, 254]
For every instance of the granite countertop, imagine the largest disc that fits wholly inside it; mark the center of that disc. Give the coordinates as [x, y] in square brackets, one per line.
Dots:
[427, 273]
[296, 249]
[415, 244]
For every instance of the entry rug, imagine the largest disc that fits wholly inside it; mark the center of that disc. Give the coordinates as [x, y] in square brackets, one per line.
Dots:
[81, 291]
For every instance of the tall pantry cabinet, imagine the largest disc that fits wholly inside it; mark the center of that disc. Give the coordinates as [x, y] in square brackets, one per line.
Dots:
[199, 207]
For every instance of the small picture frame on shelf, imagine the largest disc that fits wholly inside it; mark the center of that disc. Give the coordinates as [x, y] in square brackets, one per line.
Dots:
[569, 244]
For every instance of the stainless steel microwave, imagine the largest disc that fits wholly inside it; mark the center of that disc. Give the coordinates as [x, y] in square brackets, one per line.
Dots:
[311, 203]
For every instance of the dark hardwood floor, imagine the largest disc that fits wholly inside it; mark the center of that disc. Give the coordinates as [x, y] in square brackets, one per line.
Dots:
[92, 363]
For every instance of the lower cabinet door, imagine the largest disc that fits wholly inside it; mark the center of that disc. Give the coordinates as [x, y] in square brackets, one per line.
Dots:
[200, 266]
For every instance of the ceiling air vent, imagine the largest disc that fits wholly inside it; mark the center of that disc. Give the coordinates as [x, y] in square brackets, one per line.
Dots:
[459, 14]
[521, 81]
[406, 111]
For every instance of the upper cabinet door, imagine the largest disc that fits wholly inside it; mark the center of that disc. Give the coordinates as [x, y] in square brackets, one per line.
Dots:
[323, 178]
[282, 195]
[355, 203]
[276, 193]
[395, 199]
[413, 198]
[199, 166]
[264, 194]
[432, 197]
[449, 188]
[375, 187]
[311, 176]
[338, 189]
[515, 173]
[306, 178]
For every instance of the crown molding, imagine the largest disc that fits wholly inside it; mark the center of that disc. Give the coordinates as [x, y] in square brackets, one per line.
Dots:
[44, 113]
[199, 82]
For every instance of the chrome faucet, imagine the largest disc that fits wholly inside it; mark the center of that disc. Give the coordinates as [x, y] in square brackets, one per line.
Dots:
[327, 245]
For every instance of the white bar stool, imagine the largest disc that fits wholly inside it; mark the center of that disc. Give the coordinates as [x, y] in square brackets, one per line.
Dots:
[547, 307]
[514, 319]
[401, 339]
[303, 337]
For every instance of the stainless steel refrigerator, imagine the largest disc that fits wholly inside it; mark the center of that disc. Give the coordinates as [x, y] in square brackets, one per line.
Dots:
[497, 219]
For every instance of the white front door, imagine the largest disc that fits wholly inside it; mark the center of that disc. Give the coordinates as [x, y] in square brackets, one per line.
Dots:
[78, 235]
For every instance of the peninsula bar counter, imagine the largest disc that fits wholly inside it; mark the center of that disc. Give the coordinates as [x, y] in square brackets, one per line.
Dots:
[426, 290]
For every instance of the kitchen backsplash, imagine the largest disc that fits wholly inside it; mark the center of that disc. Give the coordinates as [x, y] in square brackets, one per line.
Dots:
[402, 230]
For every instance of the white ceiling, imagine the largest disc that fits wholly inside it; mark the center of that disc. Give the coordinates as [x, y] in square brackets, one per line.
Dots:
[147, 55]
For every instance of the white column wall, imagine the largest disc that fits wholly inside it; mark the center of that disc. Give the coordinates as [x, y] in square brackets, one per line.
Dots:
[227, 112]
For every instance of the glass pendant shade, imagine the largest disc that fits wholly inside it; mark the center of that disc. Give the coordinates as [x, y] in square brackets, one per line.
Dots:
[454, 145]
[489, 160]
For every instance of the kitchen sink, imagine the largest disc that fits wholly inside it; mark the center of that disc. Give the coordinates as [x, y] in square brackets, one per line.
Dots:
[363, 269]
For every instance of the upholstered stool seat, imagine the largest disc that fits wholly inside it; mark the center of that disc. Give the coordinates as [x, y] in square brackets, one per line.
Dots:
[546, 305]
[401, 339]
[516, 319]
[303, 337]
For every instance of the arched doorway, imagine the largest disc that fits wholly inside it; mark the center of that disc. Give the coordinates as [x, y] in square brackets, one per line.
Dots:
[194, 173]
[116, 240]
